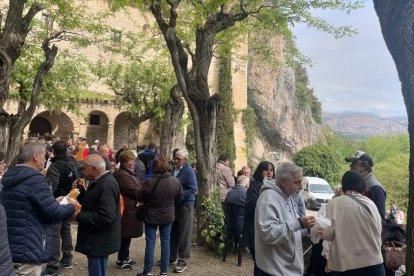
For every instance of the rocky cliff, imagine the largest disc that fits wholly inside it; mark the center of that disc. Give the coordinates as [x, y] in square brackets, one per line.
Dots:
[283, 127]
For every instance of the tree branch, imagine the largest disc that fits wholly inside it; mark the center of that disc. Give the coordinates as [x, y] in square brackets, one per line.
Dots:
[47, 64]
[28, 18]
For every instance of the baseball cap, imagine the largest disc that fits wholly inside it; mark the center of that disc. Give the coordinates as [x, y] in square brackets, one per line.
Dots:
[362, 156]
[96, 141]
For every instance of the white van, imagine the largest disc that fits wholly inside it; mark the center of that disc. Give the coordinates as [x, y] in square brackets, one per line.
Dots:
[316, 191]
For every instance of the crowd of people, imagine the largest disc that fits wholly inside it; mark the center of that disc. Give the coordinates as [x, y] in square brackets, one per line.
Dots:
[268, 210]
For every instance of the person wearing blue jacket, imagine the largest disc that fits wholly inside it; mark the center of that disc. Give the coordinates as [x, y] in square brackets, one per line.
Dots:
[180, 242]
[31, 210]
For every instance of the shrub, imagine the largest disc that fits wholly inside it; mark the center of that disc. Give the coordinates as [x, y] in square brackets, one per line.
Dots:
[213, 226]
[319, 160]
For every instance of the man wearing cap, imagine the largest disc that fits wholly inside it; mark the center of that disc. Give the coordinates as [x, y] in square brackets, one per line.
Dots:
[362, 163]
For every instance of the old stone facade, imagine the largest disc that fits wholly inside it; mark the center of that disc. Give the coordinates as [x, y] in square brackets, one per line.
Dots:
[104, 120]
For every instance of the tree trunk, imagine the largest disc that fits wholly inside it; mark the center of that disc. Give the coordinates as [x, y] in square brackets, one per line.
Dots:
[397, 25]
[174, 110]
[205, 132]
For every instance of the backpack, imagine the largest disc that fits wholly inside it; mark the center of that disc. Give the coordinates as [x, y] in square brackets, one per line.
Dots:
[73, 173]
[146, 157]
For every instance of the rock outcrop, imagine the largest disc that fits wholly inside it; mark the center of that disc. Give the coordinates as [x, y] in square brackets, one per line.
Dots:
[283, 127]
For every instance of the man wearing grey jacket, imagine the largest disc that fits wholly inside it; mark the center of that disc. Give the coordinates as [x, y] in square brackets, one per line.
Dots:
[278, 225]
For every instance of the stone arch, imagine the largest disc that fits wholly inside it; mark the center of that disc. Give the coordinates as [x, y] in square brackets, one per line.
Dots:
[57, 123]
[97, 127]
[124, 132]
[40, 126]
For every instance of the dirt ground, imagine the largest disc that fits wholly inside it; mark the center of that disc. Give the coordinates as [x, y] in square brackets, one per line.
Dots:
[202, 262]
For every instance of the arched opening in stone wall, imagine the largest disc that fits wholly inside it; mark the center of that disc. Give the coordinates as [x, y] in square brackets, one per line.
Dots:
[47, 123]
[40, 126]
[125, 132]
[97, 127]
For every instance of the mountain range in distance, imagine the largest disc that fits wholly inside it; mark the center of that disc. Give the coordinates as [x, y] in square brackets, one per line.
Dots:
[360, 126]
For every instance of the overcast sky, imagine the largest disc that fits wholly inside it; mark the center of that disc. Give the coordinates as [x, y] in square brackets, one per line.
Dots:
[356, 73]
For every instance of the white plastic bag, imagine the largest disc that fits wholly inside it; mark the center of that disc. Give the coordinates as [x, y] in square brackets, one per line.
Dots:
[64, 201]
[321, 223]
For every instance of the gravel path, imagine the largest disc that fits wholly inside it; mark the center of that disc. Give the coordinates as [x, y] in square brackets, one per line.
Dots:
[202, 262]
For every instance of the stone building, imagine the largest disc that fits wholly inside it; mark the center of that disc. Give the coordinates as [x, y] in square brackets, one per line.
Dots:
[283, 129]
[104, 119]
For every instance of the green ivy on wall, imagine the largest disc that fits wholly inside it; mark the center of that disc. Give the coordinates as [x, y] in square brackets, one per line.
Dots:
[225, 124]
[249, 121]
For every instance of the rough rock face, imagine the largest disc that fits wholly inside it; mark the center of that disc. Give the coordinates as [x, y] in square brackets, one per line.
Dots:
[284, 129]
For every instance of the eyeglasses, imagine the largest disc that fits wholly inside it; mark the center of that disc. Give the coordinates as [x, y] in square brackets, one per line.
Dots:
[179, 159]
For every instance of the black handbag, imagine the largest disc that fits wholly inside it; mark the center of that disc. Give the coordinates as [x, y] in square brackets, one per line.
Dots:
[142, 208]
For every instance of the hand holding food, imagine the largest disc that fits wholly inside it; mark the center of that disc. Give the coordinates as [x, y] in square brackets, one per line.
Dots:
[73, 193]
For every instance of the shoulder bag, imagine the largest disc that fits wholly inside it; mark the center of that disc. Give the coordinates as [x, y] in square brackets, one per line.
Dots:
[142, 208]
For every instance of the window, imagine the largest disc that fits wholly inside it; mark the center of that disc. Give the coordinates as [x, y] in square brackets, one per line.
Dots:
[116, 36]
[47, 21]
[94, 120]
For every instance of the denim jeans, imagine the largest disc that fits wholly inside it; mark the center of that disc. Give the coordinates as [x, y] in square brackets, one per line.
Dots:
[150, 236]
[373, 270]
[97, 266]
[61, 231]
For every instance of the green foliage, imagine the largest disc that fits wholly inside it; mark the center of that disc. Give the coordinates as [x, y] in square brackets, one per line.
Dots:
[62, 20]
[319, 160]
[381, 148]
[256, 17]
[249, 121]
[142, 87]
[225, 125]
[342, 147]
[304, 93]
[392, 172]
[213, 216]
[391, 158]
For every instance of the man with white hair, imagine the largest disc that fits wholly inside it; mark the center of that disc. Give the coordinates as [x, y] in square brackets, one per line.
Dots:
[31, 211]
[182, 226]
[278, 225]
[99, 220]
[245, 170]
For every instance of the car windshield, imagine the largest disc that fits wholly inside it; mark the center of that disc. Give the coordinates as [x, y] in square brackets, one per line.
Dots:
[320, 188]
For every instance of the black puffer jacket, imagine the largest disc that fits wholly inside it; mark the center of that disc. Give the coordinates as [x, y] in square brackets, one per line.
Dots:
[6, 264]
[61, 173]
[99, 228]
[252, 195]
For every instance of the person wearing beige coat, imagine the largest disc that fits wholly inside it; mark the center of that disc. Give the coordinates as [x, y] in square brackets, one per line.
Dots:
[225, 178]
[355, 231]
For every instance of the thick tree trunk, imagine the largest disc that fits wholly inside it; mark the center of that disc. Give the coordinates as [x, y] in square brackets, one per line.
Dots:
[205, 132]
[397, 25]
[12, 39]
[193, 82]
[11, 132]
[174, 110]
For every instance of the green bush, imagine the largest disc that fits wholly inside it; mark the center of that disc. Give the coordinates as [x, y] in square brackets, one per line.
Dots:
[213, 217]
[393, 175]
[319, 160]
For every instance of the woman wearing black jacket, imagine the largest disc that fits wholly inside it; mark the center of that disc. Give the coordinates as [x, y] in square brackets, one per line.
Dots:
[166, 191]
[264, 169]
